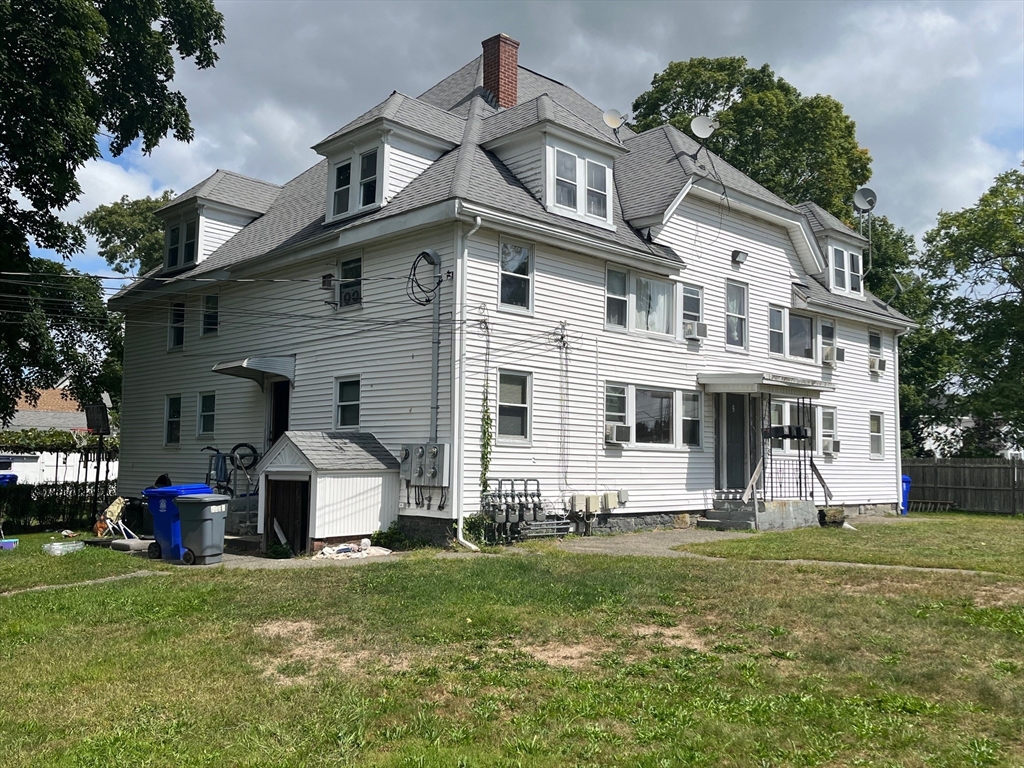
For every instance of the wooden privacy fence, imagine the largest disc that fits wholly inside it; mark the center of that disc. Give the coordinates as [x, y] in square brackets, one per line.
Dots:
[973, 485]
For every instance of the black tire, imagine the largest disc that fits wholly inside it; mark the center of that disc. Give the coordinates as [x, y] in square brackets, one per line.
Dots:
[188, 557]
[154, 551]
[244, 456]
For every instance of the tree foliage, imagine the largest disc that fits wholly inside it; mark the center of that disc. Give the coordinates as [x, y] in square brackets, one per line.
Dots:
[130, 236]
[71, 70]
[975, 257]
[799, 147]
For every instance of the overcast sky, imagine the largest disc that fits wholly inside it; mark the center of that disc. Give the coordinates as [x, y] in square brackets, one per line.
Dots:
[936, 89]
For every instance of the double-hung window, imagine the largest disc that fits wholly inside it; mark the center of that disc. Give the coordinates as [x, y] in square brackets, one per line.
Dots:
[801, 336]
[189, 250]
[176, 330]
[172, 420]
[211, 314]
[173, 245]
[342, 187]
[874, 344]
[516, 275]
[654, 419]
[839, 268]
[660, 417]
[776, 334]
[828, 335]
[597, 189]
[565, 179]
[615, 404]
[735, 315]
[691, 419]
[828, 425]
[875, 427]
[692, 303]
[207, 412]
[616, 298]
[855, 273]
[778, 419]
[346, 406]
[514, 405]
[654, 309]
[350, 286]
[368, 178]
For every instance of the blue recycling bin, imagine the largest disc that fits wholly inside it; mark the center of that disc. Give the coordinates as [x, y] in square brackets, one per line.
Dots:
[8, 479]
[905, 507]
[166, 519]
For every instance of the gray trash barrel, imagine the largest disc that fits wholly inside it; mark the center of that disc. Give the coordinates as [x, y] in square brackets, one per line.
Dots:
[202, 527]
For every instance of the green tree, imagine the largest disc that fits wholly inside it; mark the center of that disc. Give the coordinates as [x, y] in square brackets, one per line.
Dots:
[70, 71]
[976, 259]
[799, 147]
[130, 236]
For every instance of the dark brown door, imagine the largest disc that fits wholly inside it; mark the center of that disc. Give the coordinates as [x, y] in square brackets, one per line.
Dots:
[280, 396]
[288, 507]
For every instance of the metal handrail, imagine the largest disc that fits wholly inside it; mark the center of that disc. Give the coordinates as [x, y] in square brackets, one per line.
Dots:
[824, 485]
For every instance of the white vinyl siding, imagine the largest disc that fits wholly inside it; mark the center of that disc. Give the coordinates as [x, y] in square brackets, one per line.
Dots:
[526, 162]
[405, 161]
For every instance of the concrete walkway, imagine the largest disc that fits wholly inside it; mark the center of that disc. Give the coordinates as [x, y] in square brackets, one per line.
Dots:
[648, 543]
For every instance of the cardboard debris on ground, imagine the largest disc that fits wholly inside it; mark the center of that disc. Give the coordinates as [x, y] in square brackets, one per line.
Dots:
[349, 552]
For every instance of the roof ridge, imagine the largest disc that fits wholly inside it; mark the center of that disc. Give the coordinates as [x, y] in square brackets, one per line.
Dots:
[391, 105]
[247, 178]
[464, 162]
[690, 168]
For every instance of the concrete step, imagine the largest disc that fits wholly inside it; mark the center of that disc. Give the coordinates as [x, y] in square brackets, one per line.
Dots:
[727, 525]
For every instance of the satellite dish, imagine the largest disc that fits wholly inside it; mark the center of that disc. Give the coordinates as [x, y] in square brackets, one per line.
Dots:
[613, 119]
[864, 199]
[702, 126]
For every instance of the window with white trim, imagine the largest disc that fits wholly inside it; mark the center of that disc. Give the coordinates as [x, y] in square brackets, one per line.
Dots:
[794, 415]
[597, 190]
[189, 249]
[874, 344]
[565, 179]
[778, 418]
[693, 303]
[350, 283]
[855, 272]
[616, 290]
[172, 420]
[776, 335]
[368, 178]
[828, 425]
[211, 314]
[790, 334]
[207, 413]
[342, 187]
[654, 305]
[514, 404]
[691, 419]
[839, 268]
[654, 419]
[173, 246]
[828, 334]
[615, 404]
[176, 326]
[876, 424]
[346, 404]
[735, 314]
[516, 268]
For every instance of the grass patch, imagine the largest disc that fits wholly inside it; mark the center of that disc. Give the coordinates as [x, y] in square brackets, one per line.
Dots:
[28, 566]
[970, 542]
[545, 660]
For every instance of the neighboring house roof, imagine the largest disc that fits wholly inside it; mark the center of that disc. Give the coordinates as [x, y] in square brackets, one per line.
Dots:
[822, 221]
[343, 451]
[413, 113]
[234, 189]
[50, 411]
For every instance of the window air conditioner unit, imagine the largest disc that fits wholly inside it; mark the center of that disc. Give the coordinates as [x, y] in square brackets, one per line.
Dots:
[616, 434]
[876, 364]
[830, 447]
[833, 355]
[695, 331]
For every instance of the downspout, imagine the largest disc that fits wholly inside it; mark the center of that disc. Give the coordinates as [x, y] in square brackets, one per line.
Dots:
[459, 535]
[435, 355]
[899, 430]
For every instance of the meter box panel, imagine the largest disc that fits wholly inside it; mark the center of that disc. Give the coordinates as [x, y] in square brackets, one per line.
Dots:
[426, 464]
[405, 461]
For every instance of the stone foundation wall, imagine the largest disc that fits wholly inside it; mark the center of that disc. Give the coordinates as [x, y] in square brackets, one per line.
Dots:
[786, 515]
[626, 523]
[430, 529]
[855, 510]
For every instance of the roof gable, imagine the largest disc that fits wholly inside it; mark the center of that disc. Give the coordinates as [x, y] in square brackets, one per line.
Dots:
[412, 113]
[822, 221]
[328, 452]
[233, 189]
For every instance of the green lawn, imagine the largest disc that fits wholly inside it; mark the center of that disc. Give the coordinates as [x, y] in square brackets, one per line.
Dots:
[518, 660]
[954, 540]
[27, 565]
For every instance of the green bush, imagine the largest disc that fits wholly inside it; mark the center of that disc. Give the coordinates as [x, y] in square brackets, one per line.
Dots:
[394, 539]
[52, 505]
[279, 551]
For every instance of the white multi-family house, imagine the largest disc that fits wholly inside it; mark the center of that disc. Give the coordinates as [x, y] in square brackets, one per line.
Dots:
[650, 332]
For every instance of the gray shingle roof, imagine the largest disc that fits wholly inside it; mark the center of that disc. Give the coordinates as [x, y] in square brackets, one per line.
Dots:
[405, 110]
[233, 189]
[822, 221]
[819, 294]
[343, 451]
[48, 420]
[541, 109]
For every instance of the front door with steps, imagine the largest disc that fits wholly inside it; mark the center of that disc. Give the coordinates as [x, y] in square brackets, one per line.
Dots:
[737, 426]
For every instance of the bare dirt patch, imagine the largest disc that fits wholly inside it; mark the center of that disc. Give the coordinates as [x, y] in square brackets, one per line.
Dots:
[562, 655]
[305, 654]
[682, 637]
[998, 595]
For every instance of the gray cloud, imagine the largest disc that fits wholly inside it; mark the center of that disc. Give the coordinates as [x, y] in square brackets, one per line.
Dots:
[937, 89]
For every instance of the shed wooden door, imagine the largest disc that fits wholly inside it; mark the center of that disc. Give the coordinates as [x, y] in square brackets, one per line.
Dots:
[288, 506]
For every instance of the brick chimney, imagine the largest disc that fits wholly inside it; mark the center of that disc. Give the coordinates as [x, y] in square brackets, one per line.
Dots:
[501, 69]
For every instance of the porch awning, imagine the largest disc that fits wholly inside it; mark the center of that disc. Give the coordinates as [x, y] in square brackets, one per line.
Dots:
[763, 383]
[258, 368]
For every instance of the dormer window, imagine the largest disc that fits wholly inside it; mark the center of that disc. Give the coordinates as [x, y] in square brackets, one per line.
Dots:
[182, 244]
[354, 184]
[846, 271]
[173, 244]
[578, 184]
[190, 243]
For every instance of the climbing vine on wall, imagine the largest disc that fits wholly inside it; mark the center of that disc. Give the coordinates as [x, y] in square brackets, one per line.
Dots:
[486, 438]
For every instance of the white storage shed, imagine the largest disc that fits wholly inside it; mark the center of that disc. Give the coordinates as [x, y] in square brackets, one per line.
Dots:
[321, 486]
